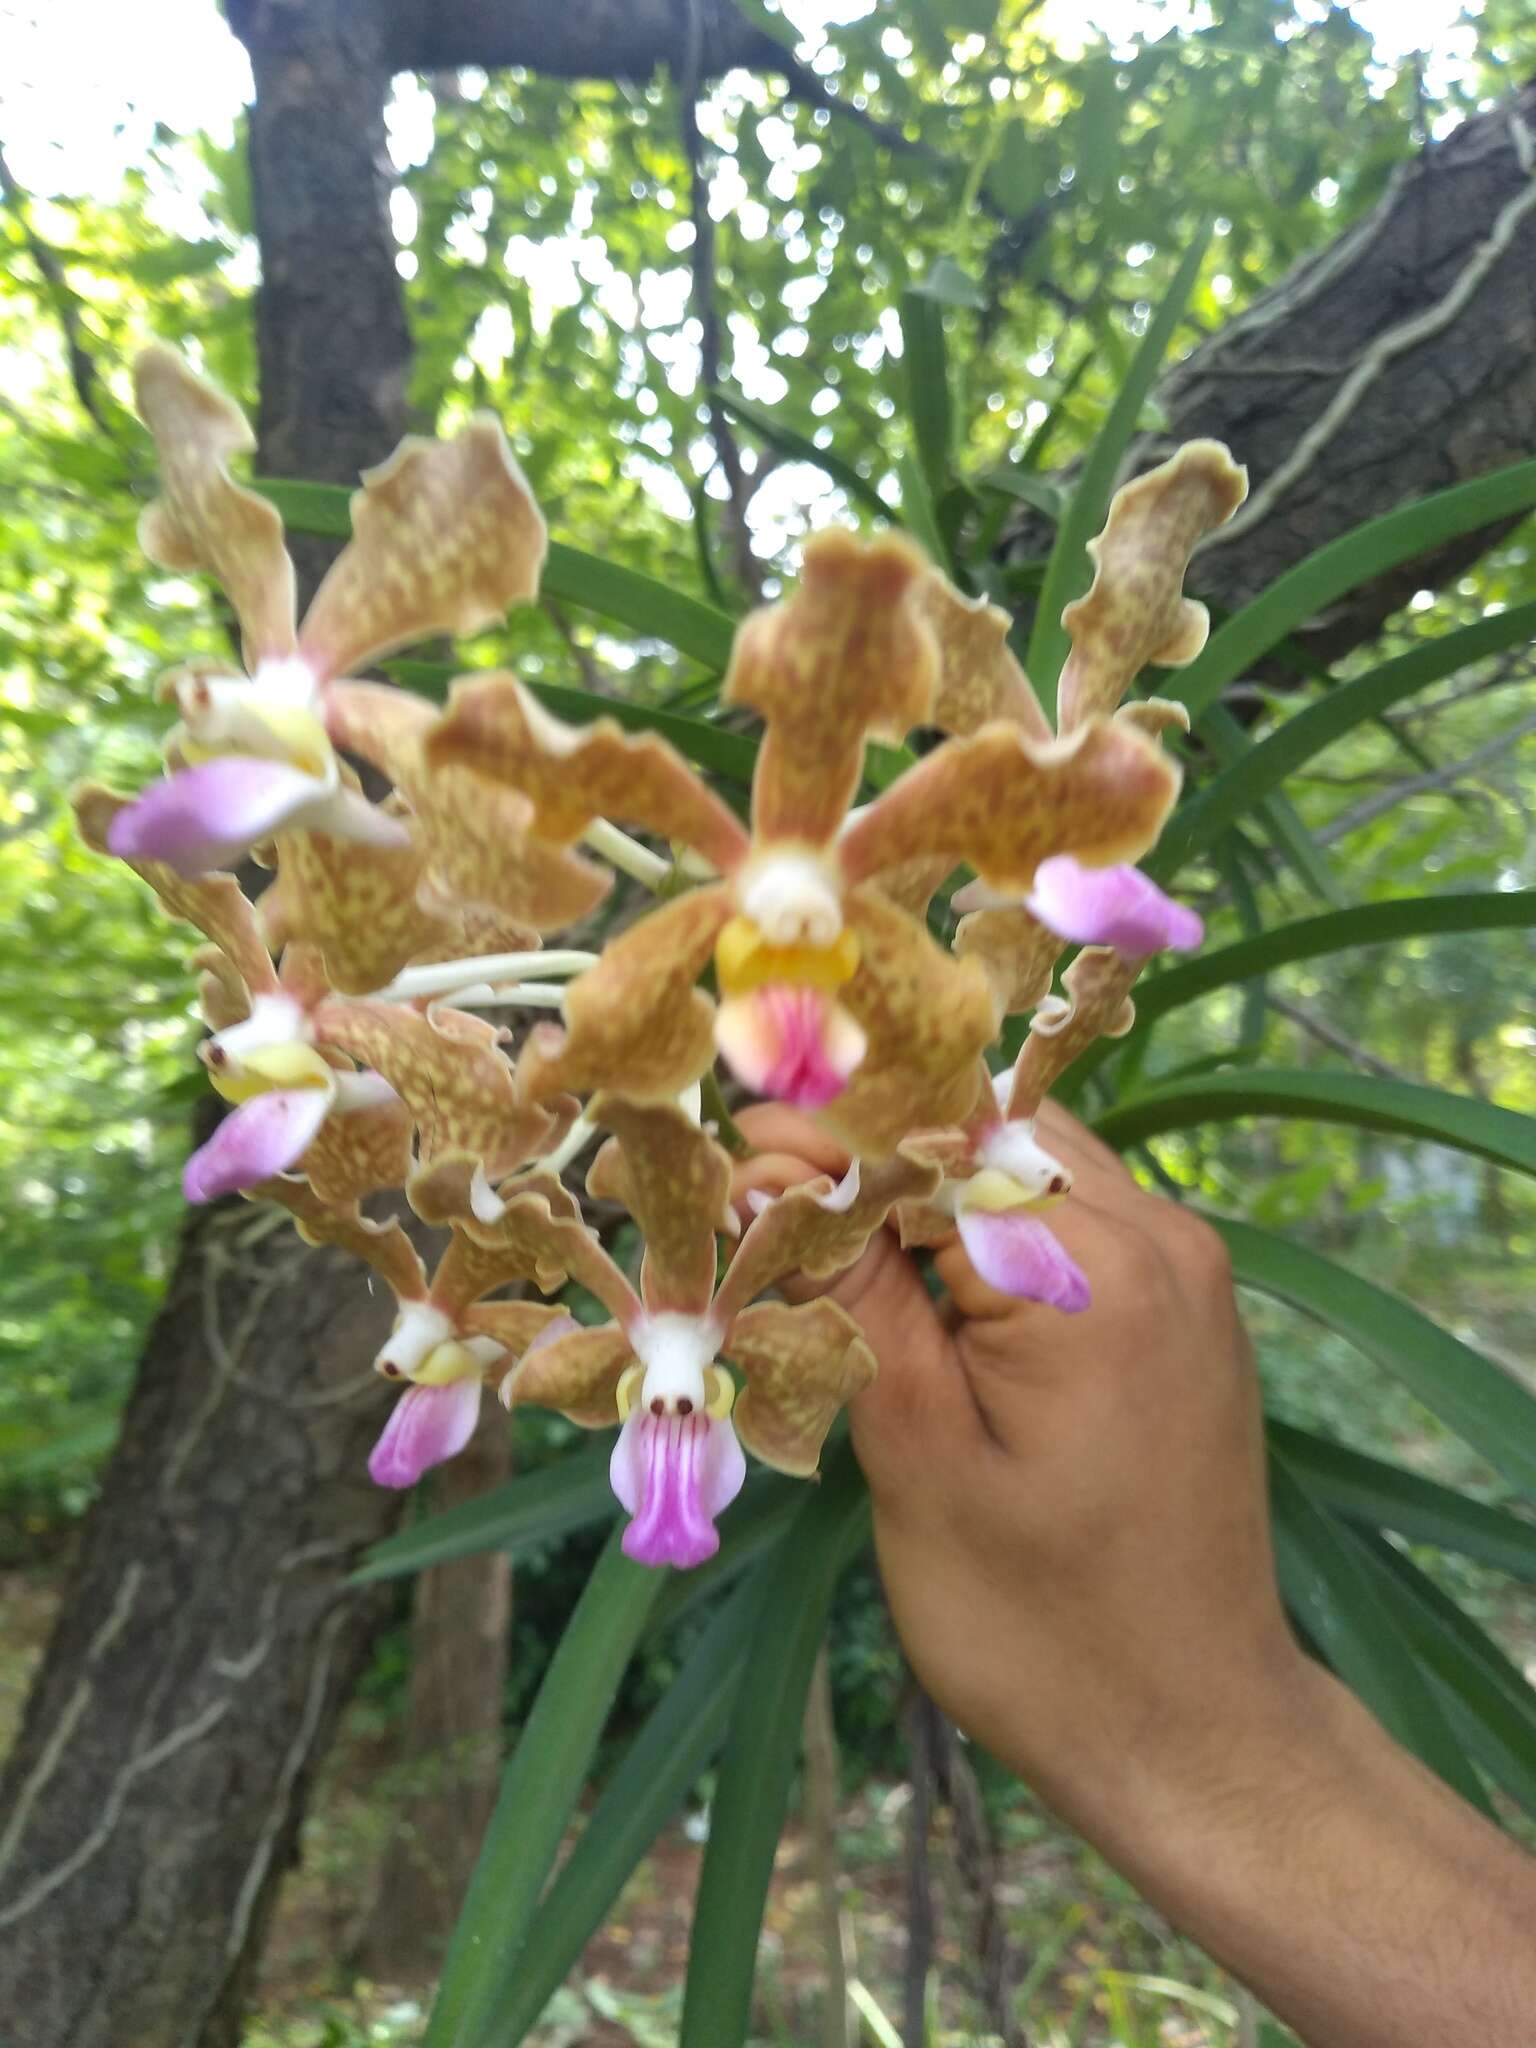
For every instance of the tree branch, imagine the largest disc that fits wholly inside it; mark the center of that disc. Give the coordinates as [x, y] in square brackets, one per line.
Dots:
[83, 375]
[1418, 785]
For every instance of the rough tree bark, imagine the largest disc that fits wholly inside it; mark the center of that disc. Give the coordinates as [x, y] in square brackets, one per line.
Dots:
[1396, 361]
[451, 1748]
[206, 1644]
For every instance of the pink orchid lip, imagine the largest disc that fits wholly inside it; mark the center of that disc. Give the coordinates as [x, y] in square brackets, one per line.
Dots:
[1015, 1253]
[264, 1136]
[790, 1043]
[1115, 906]
[674, 1474]
[211, 815]
[426, 1426]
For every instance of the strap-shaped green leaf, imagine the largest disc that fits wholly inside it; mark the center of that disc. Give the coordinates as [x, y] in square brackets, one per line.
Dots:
[1325, 1583]
[536, 1508]
[1229, 796]
[642, 603]
[930, 402]
[1344, 564]
[1413, 1111]
[539, 1790]
[763, 1742]
[795, 441]
[1486, 1697]
[1274, 814]
[677, 1743]
[1377, 1495]
[1309, 938]
[1471, 1395]
[1068, 571]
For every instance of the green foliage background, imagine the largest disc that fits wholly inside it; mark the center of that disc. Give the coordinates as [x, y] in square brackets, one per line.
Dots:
[934, 330]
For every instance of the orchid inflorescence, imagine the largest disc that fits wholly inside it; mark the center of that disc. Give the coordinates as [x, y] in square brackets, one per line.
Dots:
[341, 1003]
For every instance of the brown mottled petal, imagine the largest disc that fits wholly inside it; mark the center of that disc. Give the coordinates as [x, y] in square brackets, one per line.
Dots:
[913, 884]
[445, 536]
[577, 1375]
[1098, 987]
[442, 1193]
[542, 1221]
[575, 773]
[927, 1017]
[801, 1366]
[447, 1067]
[513, 1324]
[1154, 716]
[382, 724]
[1018, 953]
[847, 656]
[362, 908]
[476, 839]
[480, 851]
[635, 1022]
[676, 1182]
[214, 903]
[1136, 611]
[470, 1268]
[382, 1246]
[203, 519]
[358, 1151]
[979, 676]
[221, 991]
[1005, 802]
[921, 1225]
[797, 1233]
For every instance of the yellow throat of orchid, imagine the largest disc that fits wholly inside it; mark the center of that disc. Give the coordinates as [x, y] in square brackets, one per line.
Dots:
[745, 960]
[268, 1067]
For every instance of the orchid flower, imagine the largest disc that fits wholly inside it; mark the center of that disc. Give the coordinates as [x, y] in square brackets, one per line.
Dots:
[446, 1340]
[834, 997]
[656, 1369]
[445, 536]
[999, 1180]
[1134, 613]
[354, 1095]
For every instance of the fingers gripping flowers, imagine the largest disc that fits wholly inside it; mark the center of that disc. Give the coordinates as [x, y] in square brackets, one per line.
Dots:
[346, 1077]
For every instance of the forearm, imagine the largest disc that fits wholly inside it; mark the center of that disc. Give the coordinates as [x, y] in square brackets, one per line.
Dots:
[1362, 1900]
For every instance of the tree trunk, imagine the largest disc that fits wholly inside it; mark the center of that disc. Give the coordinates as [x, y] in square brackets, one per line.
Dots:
[206, 1641]
[451, 1753]
[1397, 361]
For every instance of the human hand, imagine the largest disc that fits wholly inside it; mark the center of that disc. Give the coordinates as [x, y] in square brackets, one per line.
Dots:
[1069, 1510]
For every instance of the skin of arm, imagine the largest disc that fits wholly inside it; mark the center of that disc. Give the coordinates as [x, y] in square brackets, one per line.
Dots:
[1072, 1529]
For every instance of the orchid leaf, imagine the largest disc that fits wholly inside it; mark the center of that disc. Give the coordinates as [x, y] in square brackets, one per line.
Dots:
[643, 604]
[1412, 1111]
[762, 1744]
[930, 402]
[537, 1508]
[798, 443]
[1231, 795]
[1344, 564]
[539, 1790]
[1485, 1695]
[1328, 1589]
[1482, 1403]
[1377, 1495]
[677, 1742]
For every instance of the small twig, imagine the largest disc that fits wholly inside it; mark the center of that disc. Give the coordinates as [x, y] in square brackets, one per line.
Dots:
[1419, 785]
[918, 1721]
[1330, 1035]
[839, 2027]
[592, 676]
[66, 306]
[739, 486]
